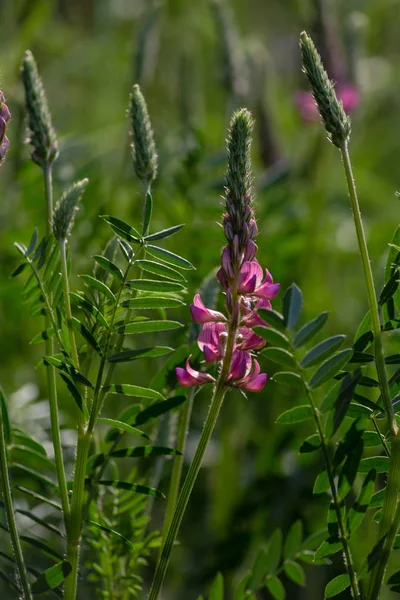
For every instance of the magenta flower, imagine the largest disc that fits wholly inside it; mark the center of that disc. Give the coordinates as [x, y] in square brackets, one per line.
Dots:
[245, 373]
[201, 314]
[307, 106]
[4, 118]
[251, 282]
[211, 341]
[189, 377]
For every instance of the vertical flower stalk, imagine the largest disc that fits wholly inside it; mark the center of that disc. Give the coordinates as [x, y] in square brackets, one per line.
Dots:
[337, 124]
[45, 150]
[227, 340]
[4, 118]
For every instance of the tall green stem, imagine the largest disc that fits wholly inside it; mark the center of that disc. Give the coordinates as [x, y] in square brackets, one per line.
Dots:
[67, 301]
[51, 373]
[9, 510]
[369, 280]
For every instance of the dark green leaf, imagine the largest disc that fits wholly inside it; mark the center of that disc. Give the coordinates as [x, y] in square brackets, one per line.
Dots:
[148, 209]
[371, 439]
[19, 269]
[39, 521]
[295, 415]
[293, 540]
[144, 451]
[153, 285]
[280, 356]
[330, 367]
[11, 583]
[290, 379]
[393, 359]
[85, 333]
[43, 336]
[169, 257]
[272, 317]
[26, 455]
[5, 421]
[273, 336]
[363, 342]
[259, 571]
[90, 308]
[337, 585]
[345, 394]
[377, 499]
[132, 390]
[112, 532]
[148, 327]
[160, 235]
[158, 409]
[322, 483]
[348, 472]
[32, 243]
[127, 232]
[295, 572]
[123, 426]
[32, 473]
[132, 487]
[379, 463]
[292, 305]
[311, 444]
[274, 552]
[51, 578]
[38, 497]
[73, 390]
[128, 355]
[109, 266]
[332, 545]
[39, 545]
[308, 331]
[275, 588]
[217, 588]
[359, 509]
[152, 302]
[322, 350]
[99, 286]
[159, 269]
[390, 288]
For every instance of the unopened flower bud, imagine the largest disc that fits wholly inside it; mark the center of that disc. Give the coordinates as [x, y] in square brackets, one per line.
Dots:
[41, 132]
[335, 120]
[143, 147]
[66, 208]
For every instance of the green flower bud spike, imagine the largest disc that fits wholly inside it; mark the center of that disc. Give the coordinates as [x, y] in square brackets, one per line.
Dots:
[66, 209]
[144, 152]
[335, 120]
[42, 135]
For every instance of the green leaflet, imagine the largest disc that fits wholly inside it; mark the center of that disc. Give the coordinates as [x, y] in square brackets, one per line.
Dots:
[158, 409]
[132, 487]
[132, 390]
[274, 552]
[292, 305]
[148, 327]
[87, 335]
[322, 483]
[330, 367]
[290, 379]
[152, 302]
[329, 547]
[75, 393]
[109, 266]
[379, 463]
[273, 336]
[259, 571]
[295, 415]
[309, 330]
[122, 426]
[5, 421]
[42, 547]
[38, 497]
[39, 521]
[22, 439]
[359, 509]
[275, 588]
[310, 444]
[159, 269]
[293, 540]
[128, 355]
[148, 209]
[51, 578]
[169, 257]
[31, 472]
[43, 336]
[111, 532]
[161, 235]
[295, 572]
[337, 585]
[90, 308]
[144, 451]
[98, 285]
[280, 356]
[24, 453]
[272, 317]
[153, 285]
[217, 588]
[127, 232]
[322, 351]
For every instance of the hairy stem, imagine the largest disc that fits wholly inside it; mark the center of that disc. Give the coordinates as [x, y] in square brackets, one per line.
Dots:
[354, 584]
[51, 372]
[10, 515]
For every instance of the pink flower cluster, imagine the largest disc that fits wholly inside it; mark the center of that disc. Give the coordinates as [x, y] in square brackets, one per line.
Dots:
[4, 118]
[308, 108]
[245, 293]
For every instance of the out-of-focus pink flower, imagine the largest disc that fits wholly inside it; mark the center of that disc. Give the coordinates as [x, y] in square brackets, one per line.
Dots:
[248, 340]
[245, 373]
[189, 377]
[251, 282]
[202, 314]
[4, 118]
[211, 341]
[347, 93]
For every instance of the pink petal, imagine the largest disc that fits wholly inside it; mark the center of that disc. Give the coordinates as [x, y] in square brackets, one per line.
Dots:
[254, 384]
[226, 262]
[250, 277]
[267, 290]
[189, 377]
[202, 314]
[240, 364]
[210, 335]
[253, 342]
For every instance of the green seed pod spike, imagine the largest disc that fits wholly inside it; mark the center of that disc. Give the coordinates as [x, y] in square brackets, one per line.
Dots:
[143, 147]
[239, 174]
[42, 135]
[66, 209]
[335, 120]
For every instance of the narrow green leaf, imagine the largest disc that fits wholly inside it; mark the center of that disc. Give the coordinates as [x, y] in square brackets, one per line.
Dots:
[11, 583]
[111, 532]
[359, 509]
[153, 285]
[148, 209]
[158, 409]
[161, 235]
[345, 393]
[293, 540]
[379, 463]
[24, 454]
[87, 335]
[280, 356]
[152, 302]
[274, 552]
[41, 546]
[311, 444]
[148, 327]
[132, 390]
[22, 439]
[122, 426]
[393, 359]
[337, 585]
[128, 355]
[377, 498]
[127, 232]
[329, 547]
[309, 330]
[26, 513]
[90, 308]
[322, 350]
[109, 266]
[73, 390]
[292, 305]
[259, 571]
[272, 317]
[144, 452]
[241, 590]
[322, 483]
[295, 415]
[275, 588]
[99, 286]
[372, 439]
[32, 473]
[32, 243]
[169, 257]
[390, 288]
[330, 367]
[295, 572]
[159, 269]
[38, 496]
[132, 487]
[22, 249]
[273, 336]
[18, 270]
[363, 342]
[217, 588]
[43, 336]
[348, 472]
[290, 379]
[51, 578]
[5, 421]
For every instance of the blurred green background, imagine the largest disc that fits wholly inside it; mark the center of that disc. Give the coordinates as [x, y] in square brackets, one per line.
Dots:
[89, 54]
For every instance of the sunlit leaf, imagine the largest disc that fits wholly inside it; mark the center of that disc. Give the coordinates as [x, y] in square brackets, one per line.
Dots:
[275, 588]
[322, 350]
[122, 426]
[295, 572]
[330, 367]
[109, 266]
[169, 257]
[159, 269]
[122, 229]
[87, 335]
[217, 588]
[152, 302]
[322, 483]
[132, 487]
[99, 286]
[42, 547]
[153, 285]
[90, 308]
[295, 415]
[148, 327]
[51, 578]
[161, 235]
[293, 540]
[132, 390]
[329, 547]
[272, 317]
[148, 209]
[379, 463]
[337, 585]
[310, 444]
[308, 331]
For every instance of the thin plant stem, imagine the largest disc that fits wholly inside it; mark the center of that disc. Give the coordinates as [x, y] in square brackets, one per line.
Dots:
[344, 538]
[51, 373]
[369, 280]
[176, 475]
[9, 510]
[187, 487]
[389, 520]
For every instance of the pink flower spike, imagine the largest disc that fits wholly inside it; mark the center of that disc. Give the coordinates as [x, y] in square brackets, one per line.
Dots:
[240, 365]
[210, 342]
[250, 277]
[189, 377]
[267, 290]
[201, 314]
